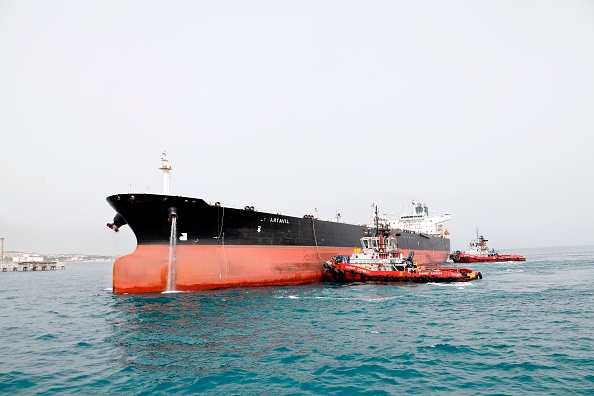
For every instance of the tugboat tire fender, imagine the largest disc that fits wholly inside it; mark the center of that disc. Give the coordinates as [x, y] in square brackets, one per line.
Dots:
[353, 273]
[363, 276]
[480, 276]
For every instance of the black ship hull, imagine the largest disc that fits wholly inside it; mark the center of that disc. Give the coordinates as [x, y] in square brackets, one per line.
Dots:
[219, 246]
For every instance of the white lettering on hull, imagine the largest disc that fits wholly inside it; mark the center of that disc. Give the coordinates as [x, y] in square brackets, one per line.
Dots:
[278, 220]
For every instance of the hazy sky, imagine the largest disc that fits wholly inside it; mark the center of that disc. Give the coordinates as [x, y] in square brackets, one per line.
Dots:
[482, 109]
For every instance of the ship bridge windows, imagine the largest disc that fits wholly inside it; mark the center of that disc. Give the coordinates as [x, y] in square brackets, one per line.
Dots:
[365, 243]
[422, 209]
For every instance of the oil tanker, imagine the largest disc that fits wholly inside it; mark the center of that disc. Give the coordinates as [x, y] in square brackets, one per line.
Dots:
[186, 243]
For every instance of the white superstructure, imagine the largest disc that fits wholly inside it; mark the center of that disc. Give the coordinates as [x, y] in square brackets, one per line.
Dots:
[420, 222]
[479, 247]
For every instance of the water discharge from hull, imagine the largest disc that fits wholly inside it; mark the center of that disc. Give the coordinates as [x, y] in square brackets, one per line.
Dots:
[172, 265]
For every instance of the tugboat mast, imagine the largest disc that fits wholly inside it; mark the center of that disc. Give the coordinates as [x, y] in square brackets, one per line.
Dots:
[166, 168]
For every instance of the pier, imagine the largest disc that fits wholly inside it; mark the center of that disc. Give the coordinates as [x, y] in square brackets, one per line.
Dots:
[32, 266]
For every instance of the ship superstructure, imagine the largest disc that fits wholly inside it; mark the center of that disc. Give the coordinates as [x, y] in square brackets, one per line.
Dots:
[420, 221]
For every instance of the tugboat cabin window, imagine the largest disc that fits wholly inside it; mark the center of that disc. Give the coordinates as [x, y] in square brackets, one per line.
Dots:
[370, 243]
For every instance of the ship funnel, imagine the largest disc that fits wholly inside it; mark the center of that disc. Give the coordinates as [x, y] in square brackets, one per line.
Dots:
[171, 213]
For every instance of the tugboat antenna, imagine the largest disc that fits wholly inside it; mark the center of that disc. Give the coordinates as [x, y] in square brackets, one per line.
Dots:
[166, 168]
[375, 217]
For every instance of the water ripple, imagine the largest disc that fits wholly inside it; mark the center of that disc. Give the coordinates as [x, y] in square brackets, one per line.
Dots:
[523, 329]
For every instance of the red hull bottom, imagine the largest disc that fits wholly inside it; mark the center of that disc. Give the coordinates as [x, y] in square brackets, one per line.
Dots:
[426, 257]
[211, 267]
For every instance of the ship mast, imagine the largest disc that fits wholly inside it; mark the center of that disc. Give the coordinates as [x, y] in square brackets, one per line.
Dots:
[166, 168]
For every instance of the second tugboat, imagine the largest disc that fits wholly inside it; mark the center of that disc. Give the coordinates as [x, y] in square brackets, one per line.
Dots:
[380, 260]
[478, 252]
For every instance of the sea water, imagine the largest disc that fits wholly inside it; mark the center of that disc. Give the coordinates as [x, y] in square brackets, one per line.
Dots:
[525, 328]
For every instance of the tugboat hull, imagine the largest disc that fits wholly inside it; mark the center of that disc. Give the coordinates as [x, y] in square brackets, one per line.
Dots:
[347, 273]
[471, 258]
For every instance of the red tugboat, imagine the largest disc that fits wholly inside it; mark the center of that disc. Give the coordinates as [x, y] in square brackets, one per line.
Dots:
[379, 260]
[480, 253]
